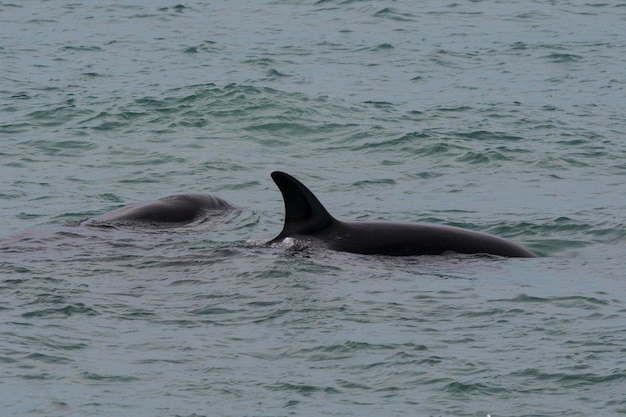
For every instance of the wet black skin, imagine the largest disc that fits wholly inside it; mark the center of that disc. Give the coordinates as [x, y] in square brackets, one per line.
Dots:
[308, 221]
[175, 210]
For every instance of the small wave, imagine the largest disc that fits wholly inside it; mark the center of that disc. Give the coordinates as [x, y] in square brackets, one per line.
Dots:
[51, 359]
[330, 352]
[211, 311]
[473, 388]
[562, 58]
[304, 389]
[485, 157]
[573, 380]
[395, 14]
[577, 302]
[83, 48]
[206, 46]
[273, 74]
[56, 116]
[91, 376]
[64, 148]
[67, 311]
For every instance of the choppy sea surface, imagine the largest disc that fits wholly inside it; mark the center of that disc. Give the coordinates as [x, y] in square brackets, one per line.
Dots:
[499, 116]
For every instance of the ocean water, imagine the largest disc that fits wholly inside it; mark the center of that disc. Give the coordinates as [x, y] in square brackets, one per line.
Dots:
[503, 117]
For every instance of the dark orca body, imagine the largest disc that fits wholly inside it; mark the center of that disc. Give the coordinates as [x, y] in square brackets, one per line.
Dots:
[307, 220]
[172, 211]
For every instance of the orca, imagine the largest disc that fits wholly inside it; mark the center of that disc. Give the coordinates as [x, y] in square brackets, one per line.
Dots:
[172, 211]
[308, 221]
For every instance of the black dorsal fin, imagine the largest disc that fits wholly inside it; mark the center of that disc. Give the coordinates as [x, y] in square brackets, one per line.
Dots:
[304, 214]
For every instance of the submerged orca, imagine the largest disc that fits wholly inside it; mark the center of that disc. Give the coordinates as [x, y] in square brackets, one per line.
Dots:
[175, 210]
[307, 220]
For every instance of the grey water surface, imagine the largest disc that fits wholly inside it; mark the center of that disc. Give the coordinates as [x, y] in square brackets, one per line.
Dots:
[503, 117]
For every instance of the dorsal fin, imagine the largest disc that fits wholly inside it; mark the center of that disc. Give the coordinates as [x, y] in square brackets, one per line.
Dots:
[304, 214]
